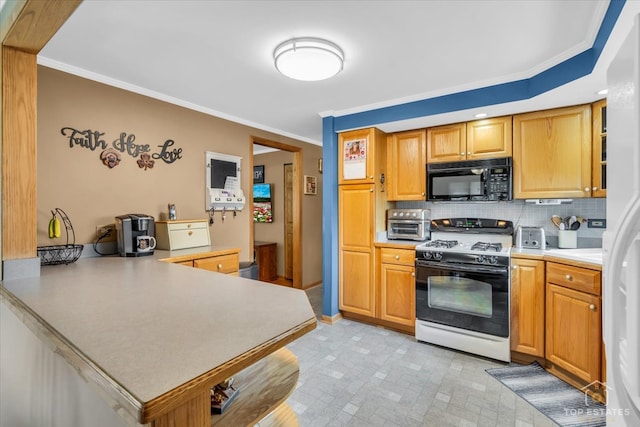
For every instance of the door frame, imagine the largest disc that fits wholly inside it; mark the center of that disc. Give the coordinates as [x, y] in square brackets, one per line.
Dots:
[296, 199]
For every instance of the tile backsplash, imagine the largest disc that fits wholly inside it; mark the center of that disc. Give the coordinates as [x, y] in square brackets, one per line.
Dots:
[524, 214]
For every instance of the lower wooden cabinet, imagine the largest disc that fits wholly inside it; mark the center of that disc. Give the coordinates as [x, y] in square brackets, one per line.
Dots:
[227, 264]
[397, 284]
[266, 254]
[574, 321]
[527, 306]
[356, 292]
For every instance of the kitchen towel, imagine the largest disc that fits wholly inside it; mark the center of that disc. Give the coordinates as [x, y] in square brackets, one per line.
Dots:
[562, 403]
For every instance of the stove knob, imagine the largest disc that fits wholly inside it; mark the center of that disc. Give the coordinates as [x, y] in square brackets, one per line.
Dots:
[480, 259]
[401, 214]
[414, 215]
[493, 260]
[437, 256]
[427, 255]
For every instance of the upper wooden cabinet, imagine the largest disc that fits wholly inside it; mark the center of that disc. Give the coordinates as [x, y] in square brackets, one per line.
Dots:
[599, 167]
[357, 155]
[447, 143]
[480, 139]
[406, 165]
[552, 153]
[490, 138]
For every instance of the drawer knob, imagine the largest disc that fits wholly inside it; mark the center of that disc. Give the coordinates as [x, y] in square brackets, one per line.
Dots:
[515, 267]
[397, 257]
[592, 307]
[568, 277]
[188, 225]
[219, 266]
[190, 233]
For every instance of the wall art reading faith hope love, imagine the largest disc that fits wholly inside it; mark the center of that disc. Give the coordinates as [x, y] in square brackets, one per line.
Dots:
[125, 144]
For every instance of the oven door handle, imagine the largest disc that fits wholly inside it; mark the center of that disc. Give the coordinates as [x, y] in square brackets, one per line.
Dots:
[462, 267]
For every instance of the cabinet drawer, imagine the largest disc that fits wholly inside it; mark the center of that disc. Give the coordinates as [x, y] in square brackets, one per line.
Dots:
[397, 256]
[173, 235]
[221, 264]
[580, 279]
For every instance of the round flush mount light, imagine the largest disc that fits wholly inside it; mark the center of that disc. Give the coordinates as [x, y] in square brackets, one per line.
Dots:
[308, 59]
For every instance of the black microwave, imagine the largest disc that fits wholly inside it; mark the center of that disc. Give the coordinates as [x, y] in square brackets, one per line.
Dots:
[471, 180]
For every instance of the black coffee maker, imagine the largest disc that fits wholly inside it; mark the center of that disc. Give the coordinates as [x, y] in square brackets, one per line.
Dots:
[135, 232]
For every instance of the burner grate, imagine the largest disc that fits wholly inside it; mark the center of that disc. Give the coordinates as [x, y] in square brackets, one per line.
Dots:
[442, 244]
[488, 247]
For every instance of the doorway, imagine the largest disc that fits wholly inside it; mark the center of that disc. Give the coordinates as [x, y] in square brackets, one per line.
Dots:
[293, 214]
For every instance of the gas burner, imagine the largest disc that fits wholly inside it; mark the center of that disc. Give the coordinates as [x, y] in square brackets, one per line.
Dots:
[441, 244]
[489, 247]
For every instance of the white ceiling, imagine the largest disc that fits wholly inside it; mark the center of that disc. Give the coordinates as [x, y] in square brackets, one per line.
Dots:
[216, 56]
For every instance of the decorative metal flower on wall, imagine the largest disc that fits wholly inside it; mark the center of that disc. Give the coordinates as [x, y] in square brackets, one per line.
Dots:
[110, 158]
[145, 161]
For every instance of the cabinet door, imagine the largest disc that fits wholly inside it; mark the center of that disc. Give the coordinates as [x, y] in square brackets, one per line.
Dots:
[355, 283]
[447, 143]
[356, 162]
[574, 329]
[552, 153]
[406, 157]
[490, 138]
[221, 264]
[398, 294]
[356, 217]
[599, 167]
[527, 306]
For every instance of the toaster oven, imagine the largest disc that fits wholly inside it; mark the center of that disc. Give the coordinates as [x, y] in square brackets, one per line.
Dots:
[408, 224]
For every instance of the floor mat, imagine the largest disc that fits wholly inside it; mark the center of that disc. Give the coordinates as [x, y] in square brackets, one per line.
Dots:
[562, 403]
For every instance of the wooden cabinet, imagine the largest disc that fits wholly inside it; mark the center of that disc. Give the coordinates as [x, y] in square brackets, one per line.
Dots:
[359, 156]
[552, 153]
[447, 143]
[574, 321]
[228, 264]
[355, 236]
[406, 165]
[599, 133]
[490, 138]
[362, 206]
[267, 258]
[480, 139]
[398, 286]
[527, 306]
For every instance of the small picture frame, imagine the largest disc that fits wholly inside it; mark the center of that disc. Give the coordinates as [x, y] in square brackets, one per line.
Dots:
[310, 185]
[258, 174]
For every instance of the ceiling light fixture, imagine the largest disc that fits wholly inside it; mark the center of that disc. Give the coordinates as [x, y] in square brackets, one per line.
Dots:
[308, 59]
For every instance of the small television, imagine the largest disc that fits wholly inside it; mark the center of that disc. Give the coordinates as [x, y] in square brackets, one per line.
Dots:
[262, 209]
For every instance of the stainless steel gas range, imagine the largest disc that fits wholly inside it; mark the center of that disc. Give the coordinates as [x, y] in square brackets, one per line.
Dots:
[463, 286]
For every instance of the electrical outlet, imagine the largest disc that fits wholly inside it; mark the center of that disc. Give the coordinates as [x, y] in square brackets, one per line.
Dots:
[597, 223]
[102, 229]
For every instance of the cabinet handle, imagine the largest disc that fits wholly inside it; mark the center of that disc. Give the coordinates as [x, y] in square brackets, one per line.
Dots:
[190, 233]
[468, 153]
[462, 154]
[397, 257]
[515, 267]
[413, 274]
[568, 277]
[371, 190]
[219, 266]
[423, 194]
[592, 307]
[586, 189]
[371, 177]
[594, 189]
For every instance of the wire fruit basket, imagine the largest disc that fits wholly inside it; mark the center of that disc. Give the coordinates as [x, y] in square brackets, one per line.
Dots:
[61, 254]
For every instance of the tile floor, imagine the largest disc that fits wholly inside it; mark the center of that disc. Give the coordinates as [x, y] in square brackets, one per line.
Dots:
[353, 374]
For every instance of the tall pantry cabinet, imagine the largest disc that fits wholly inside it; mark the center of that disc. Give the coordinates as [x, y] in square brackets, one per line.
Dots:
[362, 205]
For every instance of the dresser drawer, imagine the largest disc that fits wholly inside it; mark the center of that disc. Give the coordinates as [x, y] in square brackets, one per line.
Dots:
[580, 279]
[173, 235]
[221, 264]
[397, 256]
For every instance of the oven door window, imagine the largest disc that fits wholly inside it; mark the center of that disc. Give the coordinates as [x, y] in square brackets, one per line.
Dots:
[460, 295]
[408, 229]
[473, 300]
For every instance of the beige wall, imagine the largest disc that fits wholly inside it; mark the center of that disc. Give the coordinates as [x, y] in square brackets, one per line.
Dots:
[75, 180]
[311, 211]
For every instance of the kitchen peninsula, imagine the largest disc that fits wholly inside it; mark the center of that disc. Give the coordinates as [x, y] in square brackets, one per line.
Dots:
[153, 337]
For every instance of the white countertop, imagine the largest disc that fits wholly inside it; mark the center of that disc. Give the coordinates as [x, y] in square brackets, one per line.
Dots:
[586, 255]
[152, 326]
